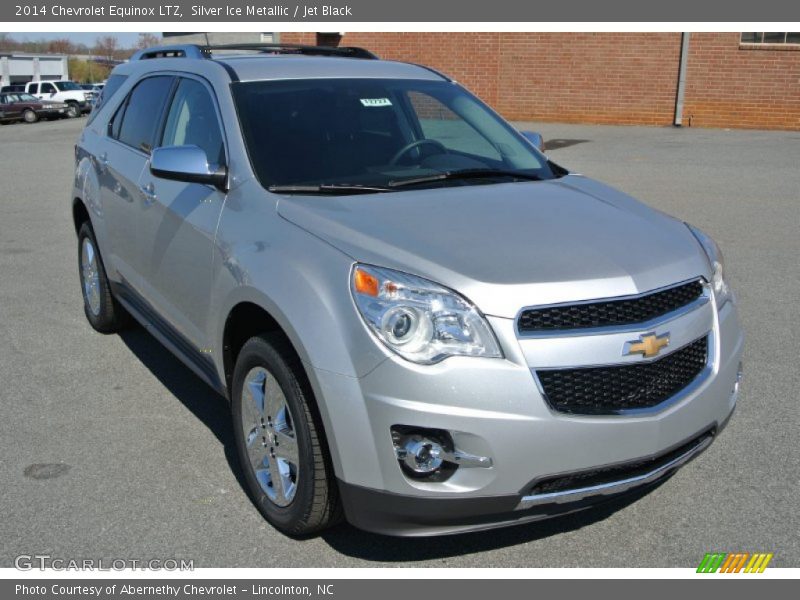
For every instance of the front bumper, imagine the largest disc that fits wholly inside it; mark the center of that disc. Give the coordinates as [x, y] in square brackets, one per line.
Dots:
[412, 516]
[493, 408]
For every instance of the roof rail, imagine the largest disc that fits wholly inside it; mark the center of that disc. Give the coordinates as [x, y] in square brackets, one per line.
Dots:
[198, 51]
[176, 51]
[347, 51]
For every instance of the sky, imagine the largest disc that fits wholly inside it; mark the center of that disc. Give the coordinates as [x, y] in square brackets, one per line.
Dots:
[125, 39]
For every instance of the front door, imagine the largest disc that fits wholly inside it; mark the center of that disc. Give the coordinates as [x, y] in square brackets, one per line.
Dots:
[178, 222]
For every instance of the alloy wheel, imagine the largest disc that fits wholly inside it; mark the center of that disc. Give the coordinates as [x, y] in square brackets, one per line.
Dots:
[90, 276]
[269, 436]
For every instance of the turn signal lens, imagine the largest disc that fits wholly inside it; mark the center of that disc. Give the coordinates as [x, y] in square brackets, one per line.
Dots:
[365, 283]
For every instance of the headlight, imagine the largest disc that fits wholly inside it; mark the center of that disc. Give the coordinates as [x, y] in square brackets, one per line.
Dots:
[421, 321]
[722, 292]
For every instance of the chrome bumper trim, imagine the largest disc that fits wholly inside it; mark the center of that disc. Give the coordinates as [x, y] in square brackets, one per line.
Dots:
[615, 487]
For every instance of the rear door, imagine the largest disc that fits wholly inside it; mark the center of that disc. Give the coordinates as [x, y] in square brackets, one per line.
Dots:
[178, 222]
[8, 107]
[122, 156]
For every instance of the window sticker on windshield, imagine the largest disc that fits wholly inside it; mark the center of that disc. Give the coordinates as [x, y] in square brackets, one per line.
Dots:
[376, 102]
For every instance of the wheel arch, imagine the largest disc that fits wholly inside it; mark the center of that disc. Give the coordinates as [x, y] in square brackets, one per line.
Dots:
[80, 214]
[250, 317]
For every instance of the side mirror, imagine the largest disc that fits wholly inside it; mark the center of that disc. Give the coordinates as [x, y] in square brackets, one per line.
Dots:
[186, 163]
[536, 140]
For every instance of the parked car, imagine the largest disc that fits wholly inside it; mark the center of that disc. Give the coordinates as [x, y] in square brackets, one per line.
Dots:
[24, 107]
[420, 321]
[93, 88]
[68, 92]
[12, 88]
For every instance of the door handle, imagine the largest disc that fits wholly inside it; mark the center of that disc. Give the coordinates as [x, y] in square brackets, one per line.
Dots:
[148, 193]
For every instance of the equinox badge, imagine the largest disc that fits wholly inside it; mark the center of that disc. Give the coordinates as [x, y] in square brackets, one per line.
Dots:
[648, 345]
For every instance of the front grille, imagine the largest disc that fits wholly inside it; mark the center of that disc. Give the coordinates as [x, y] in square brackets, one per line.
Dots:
[609, 390]
[610, 312]
[614, 473]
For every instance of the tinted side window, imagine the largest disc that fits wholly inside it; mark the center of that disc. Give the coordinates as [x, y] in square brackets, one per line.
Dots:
[34, 88]
[48, 88]
[192, 120]
[142, 113]
[112, 85]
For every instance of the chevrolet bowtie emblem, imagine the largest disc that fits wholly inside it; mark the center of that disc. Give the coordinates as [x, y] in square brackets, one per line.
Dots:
[647, 345]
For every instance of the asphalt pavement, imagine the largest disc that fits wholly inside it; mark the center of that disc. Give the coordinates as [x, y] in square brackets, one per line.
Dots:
[110, 448]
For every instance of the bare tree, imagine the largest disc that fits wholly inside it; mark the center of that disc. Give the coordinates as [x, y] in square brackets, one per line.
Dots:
[147, 40]
[7, 42]
[61, 46]
[106, 47]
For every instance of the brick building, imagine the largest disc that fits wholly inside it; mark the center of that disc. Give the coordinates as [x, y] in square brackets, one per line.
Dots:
[748, 80]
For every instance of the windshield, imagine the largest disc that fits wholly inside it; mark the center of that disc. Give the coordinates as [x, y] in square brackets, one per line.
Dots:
[377, 133]
[27, 98]
[67, 86]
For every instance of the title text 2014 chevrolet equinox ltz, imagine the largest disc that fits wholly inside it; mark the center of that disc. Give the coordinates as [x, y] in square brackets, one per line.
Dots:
[422, 324]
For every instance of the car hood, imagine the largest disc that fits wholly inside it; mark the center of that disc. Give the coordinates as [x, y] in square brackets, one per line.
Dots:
[506, 246]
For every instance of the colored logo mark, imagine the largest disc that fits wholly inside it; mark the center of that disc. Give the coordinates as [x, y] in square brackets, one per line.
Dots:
[738, 562]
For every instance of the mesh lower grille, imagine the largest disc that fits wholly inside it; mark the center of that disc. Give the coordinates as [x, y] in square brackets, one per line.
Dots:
[608, 390]
[610, 474]
[610, 312]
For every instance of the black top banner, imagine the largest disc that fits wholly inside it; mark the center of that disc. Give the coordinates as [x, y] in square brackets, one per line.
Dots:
[465, 11]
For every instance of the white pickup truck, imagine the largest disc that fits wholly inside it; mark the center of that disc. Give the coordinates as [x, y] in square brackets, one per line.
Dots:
[69, 92]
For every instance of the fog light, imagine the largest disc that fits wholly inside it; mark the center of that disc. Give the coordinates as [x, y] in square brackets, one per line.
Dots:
[421, 455]
[429, 454]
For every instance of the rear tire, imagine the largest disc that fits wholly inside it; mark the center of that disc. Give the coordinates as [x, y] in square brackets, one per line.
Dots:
[280, 439]
[30, 116]
[102, 310]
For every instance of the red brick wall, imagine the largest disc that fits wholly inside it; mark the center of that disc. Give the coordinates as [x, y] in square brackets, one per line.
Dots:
[618, 78]
[746, 86]
[589, 77]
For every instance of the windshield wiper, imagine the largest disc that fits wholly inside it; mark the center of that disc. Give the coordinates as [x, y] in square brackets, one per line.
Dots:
[465, 174]
[328, 188]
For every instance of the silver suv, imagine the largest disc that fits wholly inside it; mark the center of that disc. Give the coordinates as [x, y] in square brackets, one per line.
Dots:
[422, 324]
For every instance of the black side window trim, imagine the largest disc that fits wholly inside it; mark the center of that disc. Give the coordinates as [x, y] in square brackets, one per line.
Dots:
[214, 101]
[122, 109]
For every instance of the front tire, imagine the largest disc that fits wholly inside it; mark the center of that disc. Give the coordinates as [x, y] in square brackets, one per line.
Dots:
[73, 111]
[279, 439]
[102, 310]
[30, 116]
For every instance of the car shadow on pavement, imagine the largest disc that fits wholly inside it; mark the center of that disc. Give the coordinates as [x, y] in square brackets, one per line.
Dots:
[378, 548]
[213, 412]
[206, 404]
[558, 143]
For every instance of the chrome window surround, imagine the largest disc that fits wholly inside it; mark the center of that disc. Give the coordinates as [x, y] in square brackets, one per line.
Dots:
[651, 324]
[615, 487]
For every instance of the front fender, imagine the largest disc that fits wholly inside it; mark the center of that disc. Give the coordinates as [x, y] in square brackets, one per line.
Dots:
[304, 284]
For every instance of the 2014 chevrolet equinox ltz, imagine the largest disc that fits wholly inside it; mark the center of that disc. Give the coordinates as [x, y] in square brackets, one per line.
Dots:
[422, 324]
